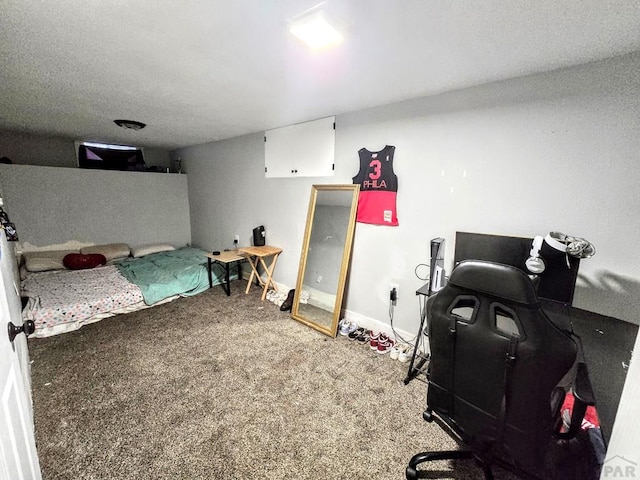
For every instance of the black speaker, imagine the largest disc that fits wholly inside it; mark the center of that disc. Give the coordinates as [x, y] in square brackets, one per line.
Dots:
[259, 236]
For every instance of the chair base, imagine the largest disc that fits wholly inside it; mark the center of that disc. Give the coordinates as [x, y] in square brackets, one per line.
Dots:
[465, 453]
[413, 473]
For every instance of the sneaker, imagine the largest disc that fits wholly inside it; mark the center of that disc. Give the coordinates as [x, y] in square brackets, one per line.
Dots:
[385, 345]
[379, 338]
[364, 337]
[356, 333]
[373, 340]
[395, 352]
[405, 355]
[346, 327]
[343, 326]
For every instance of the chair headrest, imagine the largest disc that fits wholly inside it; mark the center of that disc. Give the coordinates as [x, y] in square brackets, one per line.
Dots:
[496, 279]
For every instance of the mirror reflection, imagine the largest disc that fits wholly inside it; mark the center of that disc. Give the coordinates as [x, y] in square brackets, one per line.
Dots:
[325, 256]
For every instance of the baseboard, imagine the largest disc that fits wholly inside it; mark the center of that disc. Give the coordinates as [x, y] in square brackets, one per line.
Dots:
[281, 287]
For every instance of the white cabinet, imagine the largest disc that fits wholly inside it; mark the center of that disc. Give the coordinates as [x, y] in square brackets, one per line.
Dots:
[301, 150]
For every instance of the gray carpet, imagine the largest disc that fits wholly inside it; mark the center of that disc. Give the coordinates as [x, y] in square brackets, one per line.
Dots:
[217, 387]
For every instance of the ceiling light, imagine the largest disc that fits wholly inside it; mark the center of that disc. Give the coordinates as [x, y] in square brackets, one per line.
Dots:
[315, 30]
[131, 124]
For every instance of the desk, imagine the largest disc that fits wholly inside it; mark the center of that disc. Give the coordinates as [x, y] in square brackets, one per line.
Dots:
[224, 259]
[256, 256]
[606, 344]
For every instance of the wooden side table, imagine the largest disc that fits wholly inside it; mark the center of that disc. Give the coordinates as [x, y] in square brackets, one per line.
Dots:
[225, 259]
[257, 255]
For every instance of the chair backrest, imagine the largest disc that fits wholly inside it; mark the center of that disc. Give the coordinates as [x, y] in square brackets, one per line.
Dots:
[496, 359]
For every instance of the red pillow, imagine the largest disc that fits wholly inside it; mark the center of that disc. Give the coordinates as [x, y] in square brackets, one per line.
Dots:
[79, 261]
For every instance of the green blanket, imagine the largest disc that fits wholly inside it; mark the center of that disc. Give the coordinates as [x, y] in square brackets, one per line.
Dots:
[162, 275]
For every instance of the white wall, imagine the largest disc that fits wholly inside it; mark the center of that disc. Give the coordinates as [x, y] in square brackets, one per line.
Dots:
[52, 205]
[229, 195]
[524, 157]
[551, 152]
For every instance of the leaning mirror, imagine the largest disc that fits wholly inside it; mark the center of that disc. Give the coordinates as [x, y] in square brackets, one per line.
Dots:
[324, 261]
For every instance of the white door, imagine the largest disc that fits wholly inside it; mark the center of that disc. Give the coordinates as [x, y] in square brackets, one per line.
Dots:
[18, 456]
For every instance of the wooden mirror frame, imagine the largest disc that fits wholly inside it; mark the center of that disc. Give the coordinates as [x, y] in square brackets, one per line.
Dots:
[346, 257]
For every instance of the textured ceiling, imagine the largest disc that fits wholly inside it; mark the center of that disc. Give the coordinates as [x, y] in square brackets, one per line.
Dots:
[203, 70]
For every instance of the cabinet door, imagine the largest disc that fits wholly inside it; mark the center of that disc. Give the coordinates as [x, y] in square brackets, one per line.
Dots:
[301, 150]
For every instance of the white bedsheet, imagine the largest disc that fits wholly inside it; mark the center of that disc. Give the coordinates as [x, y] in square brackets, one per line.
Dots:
[64, 300]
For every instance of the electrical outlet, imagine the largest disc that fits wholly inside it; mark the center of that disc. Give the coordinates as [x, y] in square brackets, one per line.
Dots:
[236, 239]
[395, 286]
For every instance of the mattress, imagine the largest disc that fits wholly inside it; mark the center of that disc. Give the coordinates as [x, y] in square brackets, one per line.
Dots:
[64, 300]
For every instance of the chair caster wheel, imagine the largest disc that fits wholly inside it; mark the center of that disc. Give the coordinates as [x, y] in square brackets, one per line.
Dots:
[411, 473]
[427, 415]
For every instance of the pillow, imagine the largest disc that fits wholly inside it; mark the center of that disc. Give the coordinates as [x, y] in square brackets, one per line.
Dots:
[143, 250]
[45, 260]
[110, 251]
[79, 261]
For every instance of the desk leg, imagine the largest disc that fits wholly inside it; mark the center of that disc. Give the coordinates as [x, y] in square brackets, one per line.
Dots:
[209, 272]
[269, 271]
[227, 285]
[414, 370]
[252, 262]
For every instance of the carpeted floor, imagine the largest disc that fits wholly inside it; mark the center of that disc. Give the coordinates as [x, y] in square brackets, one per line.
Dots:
[217, 387]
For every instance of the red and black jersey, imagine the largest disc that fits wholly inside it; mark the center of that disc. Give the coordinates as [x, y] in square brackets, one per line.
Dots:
[378, 187]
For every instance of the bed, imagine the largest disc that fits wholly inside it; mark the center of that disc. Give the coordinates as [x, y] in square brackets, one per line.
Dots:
[60, 300]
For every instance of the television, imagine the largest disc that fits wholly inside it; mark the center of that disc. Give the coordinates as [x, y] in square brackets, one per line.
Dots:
[109, 157]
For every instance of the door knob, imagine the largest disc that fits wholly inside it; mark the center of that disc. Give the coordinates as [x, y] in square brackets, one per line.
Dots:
[27, 327]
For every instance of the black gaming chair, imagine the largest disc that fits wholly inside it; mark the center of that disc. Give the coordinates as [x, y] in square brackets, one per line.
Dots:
[496, 369]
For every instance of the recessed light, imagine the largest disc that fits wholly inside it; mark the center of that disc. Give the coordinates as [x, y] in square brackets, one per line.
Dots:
[130, 124]
[315, 30]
